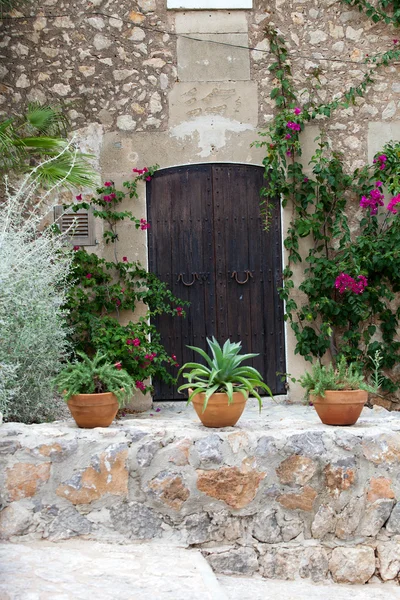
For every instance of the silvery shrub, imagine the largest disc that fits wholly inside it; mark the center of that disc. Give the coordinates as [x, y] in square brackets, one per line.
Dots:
[34, 265]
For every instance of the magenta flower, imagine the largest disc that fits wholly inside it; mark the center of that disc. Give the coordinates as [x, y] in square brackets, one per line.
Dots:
[293, 126]
[108, 184]
[391, 206]
[140, 386]
[118, 366]
[179, 310]
[148, 178]
[136, 342]
[305, 180]
[297, 110]
[395, 41]
[346, 283]
[125, 259]
[107, 198]
[89, 276]
[79, 197]
[288, 136]
[173, 357]
[113, 196]
[378, 184]
[76, 248]
[372, 201]
[158, 409]
[288, 153]
[144, 224]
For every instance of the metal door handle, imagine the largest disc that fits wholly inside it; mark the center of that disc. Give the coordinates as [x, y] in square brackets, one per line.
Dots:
[235, 275]
[180, 278]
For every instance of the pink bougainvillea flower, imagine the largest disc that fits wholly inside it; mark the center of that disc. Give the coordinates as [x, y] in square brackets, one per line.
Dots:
[378, 184]
[305, 180]
[76, 248]
[158, 409]
[288, 136]
[125, 258]
[89, 276]
[176, 365]
[140, 385]
[345, 283]
[145, 170]
[173, 357]
[179, 310]
[148, 178]
[391, 206]
[107, 198]
[293, 126]
[289, 153]
[108, 184]
[372, 201]
[395, 41]
[118, 366]
[144, 224]
[79, 197]
[113, 196]
[118, 302]
[136, 342]
[297, 110]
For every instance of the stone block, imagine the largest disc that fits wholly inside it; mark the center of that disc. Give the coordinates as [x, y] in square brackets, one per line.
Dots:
[146, 452]
[296, 470]
[170, 489]
[375, 517]
[68, 523]
[266, 528]
[281, 563]
[211, 22]
[232, 100]
[303, 500]
[24, 479]
[382, 448]
[339, 477]
[209, 449]
[324, 522]
[136, 521]
[199, 61]
[235, 487]
[393, 524]
[349, 519]
[241, 561]
[15, 519]
[389, 560]
[352, 565]
[315, 564]
[380, 133]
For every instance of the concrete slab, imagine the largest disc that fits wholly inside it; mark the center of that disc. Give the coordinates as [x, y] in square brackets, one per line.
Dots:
[379, 133]
[85, 570]
[198, 61]
[211, 22]
[232, 100]
[245, 588]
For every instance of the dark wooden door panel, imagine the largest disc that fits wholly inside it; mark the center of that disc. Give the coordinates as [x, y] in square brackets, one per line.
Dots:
[208, 243]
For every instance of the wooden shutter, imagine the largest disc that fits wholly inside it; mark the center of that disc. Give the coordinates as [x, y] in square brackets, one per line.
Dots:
[79, 225]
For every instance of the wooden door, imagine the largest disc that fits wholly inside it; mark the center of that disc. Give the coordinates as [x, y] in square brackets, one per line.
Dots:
[207, 243]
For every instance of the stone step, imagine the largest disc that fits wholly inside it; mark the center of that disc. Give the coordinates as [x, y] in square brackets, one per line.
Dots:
[87, 570]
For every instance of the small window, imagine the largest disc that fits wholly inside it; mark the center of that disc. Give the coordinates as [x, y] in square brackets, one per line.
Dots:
[209, 4]
[79, 225]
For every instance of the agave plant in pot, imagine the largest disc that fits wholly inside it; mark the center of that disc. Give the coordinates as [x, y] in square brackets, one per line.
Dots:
[94, 389]
[220, 388]
[339, 393]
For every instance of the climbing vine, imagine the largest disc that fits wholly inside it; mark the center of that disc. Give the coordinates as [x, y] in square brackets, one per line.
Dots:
[384, 10]
[352, 273]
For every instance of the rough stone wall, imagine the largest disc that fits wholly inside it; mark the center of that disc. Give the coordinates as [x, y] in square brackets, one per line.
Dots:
[285, 501]
[140, 90]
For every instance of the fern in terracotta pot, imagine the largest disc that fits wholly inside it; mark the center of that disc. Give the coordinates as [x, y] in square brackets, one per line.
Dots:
[339, 393]
[94, 389]
[220, 388]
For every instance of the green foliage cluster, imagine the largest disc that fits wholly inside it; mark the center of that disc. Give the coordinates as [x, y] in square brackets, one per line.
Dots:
[223, 372]
[353, 325]
[387, 11]
[94, 376]
[343, 377]
[36, 143]
[102, 289]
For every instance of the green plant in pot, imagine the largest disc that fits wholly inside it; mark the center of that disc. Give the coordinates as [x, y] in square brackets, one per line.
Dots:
[220, 388]
[94, 389]
[339, 393]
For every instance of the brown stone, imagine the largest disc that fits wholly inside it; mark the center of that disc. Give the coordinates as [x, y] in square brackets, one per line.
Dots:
[136, 17]
[384, 448]
[23, 479]
[380, 488]
[49, 449]
[303, 500]
[170, 489]
[180, 452]
[338, 478]
[109, 476]
[234, 486]
[296, 469]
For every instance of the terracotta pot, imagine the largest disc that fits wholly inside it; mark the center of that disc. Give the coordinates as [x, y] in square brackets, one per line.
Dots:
[218, 412]
[93, 410]
[340, 407]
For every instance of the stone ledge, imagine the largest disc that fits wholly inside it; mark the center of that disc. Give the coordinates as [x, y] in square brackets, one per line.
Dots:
[279, 494]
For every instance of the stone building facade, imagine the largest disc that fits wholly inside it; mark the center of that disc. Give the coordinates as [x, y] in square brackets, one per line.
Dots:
[144, 84]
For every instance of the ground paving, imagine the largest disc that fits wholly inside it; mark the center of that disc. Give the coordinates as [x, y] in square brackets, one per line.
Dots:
[86, 570]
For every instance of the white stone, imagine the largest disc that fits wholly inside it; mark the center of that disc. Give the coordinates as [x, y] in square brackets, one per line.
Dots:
[116, 22]
[138, 34]
[96, 22]
[352, 565]
[155, 103]
[352, 142]
[297, 18]
[100, 42]
[396, 87]
[50, 52]
[39, 23]
[354, 34]
[36, 95]
[164, 81]
[313, 13]
[157, 63]
[61, 89]
[22, 81]
[126, 123]
[3, 71]
[389, 560]
[318, 36]
[20, 49]
[63, 22]
[390, 110]
[260, 50]
[14, 520]
[147, 5]
[122, 74]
